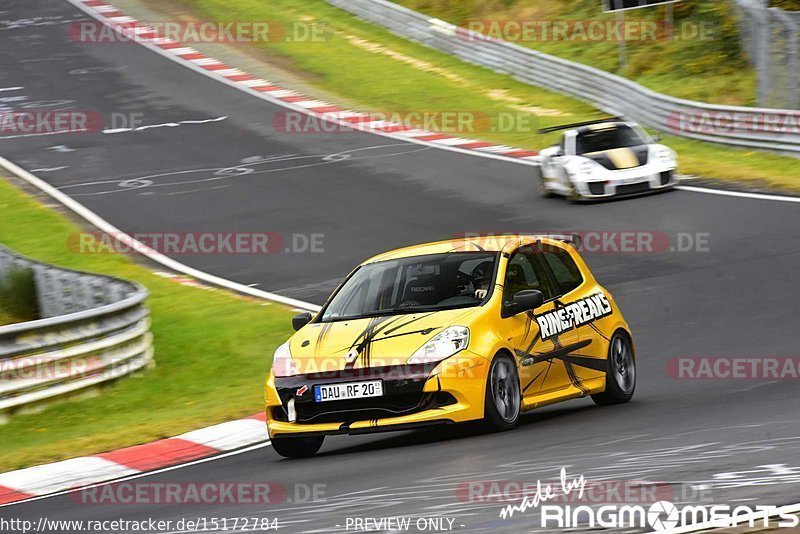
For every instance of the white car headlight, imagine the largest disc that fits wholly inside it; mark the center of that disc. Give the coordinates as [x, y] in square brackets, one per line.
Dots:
[583, 168]
[443, 345]
[282, 363]
[666, 155]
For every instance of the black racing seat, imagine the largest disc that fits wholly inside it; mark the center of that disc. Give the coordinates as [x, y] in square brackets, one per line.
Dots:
[426, 290]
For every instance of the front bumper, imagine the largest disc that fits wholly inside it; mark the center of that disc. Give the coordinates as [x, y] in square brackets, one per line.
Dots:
[629, 182]
[414, 396]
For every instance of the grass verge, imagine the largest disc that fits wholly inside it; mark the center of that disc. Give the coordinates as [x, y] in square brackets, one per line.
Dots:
[372, 69]
[213, 350]
[699, 59]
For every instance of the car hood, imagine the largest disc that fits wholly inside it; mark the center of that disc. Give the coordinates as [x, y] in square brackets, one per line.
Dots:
[378, 341]
[620, 158]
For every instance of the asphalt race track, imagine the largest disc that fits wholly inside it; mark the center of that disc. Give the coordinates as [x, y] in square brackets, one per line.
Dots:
[739, 440]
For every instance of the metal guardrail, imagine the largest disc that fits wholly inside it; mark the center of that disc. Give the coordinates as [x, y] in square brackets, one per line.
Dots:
[93, 329]
[740, 126]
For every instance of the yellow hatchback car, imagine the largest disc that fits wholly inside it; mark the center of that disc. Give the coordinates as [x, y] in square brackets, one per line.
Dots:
[483, 328]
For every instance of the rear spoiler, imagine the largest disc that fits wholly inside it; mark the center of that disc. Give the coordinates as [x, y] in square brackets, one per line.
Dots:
[573, 239]
[579, 124]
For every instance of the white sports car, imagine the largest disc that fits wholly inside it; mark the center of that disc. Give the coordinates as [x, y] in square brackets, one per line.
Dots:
[605, 158]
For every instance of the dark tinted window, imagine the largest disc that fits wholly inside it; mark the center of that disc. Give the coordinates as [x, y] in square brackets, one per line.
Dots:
[607, 138]
[520, 276]
[524, 272]
[565, 270]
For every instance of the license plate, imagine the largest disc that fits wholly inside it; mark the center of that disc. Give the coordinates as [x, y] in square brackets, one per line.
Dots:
[634, 180]
[348, 390]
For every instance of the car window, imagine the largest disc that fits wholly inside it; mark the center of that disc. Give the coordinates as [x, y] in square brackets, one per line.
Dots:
[420, 283]
[566, 272]
[599, 140]
[521, 274]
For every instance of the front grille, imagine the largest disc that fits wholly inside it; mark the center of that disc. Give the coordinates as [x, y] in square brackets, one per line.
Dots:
[597, 188]
[666, 177]
[631, 189]
[402, 394]
[359, 410]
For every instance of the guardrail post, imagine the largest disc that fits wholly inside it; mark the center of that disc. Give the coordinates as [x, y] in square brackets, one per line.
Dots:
[792, 31]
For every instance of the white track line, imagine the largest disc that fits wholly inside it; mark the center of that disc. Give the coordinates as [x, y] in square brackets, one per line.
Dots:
[740, 194]
[157, 257]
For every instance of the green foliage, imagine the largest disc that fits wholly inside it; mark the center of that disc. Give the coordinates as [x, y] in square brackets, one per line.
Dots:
[788, 5]
[18, 297]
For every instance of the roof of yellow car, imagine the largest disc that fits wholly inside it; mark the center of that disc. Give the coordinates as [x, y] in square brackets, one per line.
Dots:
[491, 243]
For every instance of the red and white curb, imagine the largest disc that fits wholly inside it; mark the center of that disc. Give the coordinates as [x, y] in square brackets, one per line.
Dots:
[79, 472]
[324, 111]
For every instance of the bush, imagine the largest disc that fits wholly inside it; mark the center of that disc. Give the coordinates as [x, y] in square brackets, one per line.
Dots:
[18, 296]
[788, 5]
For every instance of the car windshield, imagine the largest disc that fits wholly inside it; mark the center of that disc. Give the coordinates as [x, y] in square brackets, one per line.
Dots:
[419, 283]
[620, 136]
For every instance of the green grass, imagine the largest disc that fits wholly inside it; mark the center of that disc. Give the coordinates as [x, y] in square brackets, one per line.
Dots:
[702, 61]
[374, 70]
[213, 351]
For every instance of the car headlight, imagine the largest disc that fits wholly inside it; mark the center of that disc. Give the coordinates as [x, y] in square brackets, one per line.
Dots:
[443, 345]
[666, 155]
[587, 167]
[282, 363]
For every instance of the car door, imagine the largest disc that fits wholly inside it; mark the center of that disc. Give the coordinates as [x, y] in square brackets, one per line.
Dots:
[539, 372]
[580, 363]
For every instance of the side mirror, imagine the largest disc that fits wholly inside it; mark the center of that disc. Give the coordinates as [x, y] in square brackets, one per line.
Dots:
[526, 300]
[300, 320]
[656, 138]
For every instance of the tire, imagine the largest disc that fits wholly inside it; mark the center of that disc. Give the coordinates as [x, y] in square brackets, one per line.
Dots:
[502, 400]
[297, 447]
[573, 196]
[620, 372]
